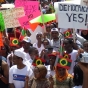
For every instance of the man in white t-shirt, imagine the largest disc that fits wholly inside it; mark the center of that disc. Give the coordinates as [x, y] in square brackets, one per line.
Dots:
[55, 42]
[68, 46]
[19, 71]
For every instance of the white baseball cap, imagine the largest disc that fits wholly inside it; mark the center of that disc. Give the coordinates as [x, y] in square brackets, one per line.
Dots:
[54, 29]
[20, 54]
[27, 39]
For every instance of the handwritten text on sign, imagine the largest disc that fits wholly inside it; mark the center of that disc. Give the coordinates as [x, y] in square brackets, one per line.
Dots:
[72, 16]
[31, 7]
[11, 17]
[24, 22]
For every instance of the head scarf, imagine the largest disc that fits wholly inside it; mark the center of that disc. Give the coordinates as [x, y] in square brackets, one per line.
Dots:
[61, 78]
[43, 71]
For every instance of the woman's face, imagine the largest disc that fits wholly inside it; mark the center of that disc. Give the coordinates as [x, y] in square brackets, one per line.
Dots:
[61, 71]
[84, 32]
[36, 73]
[39, 37]
[45, 43]
[85, 46]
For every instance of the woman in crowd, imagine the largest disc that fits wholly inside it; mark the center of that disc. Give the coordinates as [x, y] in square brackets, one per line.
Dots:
[62, 78]
[39, 80]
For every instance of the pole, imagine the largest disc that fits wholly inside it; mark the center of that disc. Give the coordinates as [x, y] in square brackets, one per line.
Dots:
[42, 17]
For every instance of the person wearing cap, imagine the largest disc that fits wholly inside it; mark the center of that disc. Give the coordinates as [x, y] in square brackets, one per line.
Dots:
[55, 42]
[39, 44]
[19, 70]
[26, 44]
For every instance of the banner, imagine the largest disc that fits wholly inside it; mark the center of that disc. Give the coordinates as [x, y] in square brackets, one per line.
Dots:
[24, 22]
[72, 16]
[31, 8]
[11, 17]
[2, 26]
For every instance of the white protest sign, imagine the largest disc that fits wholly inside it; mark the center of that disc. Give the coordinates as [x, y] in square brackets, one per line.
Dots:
[72, 16]
[11, 17]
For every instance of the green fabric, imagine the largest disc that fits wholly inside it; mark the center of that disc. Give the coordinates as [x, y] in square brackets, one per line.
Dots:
[23, 32]
[64, 62]
[2, 25]
[47, 18]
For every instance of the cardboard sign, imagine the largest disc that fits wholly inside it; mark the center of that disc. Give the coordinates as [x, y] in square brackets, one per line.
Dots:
[2, 26]
[24, 22]
[72, 16]
[11, 17]
[31, 8]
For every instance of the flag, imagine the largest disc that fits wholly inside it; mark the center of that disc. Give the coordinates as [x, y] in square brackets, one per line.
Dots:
[38, 61]
[23, 34]
[61, 49]
[65, 55]
[14, 41]
[64, 62]
[68, 33]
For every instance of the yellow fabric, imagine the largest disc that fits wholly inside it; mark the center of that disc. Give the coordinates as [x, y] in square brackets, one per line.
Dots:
[62, 78]
[2, 1]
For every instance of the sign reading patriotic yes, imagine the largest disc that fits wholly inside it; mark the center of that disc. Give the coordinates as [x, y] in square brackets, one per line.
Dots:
[72, 16]
[11, 17]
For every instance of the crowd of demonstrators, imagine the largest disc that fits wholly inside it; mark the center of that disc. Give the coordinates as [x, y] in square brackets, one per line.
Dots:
[16, 61]
[17, 69]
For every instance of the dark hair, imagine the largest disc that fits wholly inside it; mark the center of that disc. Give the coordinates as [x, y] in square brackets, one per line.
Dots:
[85, 42]
[70, 40]
[32, 49]
[78, 76]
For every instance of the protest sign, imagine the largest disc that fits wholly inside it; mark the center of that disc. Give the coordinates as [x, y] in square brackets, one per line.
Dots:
[72, 16]
[24, 22]
[2, 26]
[31, 8]
[11, 17]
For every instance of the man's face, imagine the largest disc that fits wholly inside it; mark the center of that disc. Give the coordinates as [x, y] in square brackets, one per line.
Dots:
[54, 34]
[66, 44]
[16, 60]
[25, 44]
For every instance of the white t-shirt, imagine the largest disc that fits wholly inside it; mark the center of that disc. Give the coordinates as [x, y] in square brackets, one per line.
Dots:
[73, 58]
[55, 44]
[17, 76]
[39, 49]
[77, 87]
[49, 71]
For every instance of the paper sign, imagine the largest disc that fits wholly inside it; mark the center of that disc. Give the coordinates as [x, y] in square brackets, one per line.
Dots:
[1, 41]
[24, 22]
[31, 8]
[72, 16]
[11, 17]
[2, 26]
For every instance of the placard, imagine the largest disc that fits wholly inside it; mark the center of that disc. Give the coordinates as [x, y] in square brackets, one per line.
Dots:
[11, 16]
[2, 26]
[24, 22]
[31, 8]
[72, 16]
